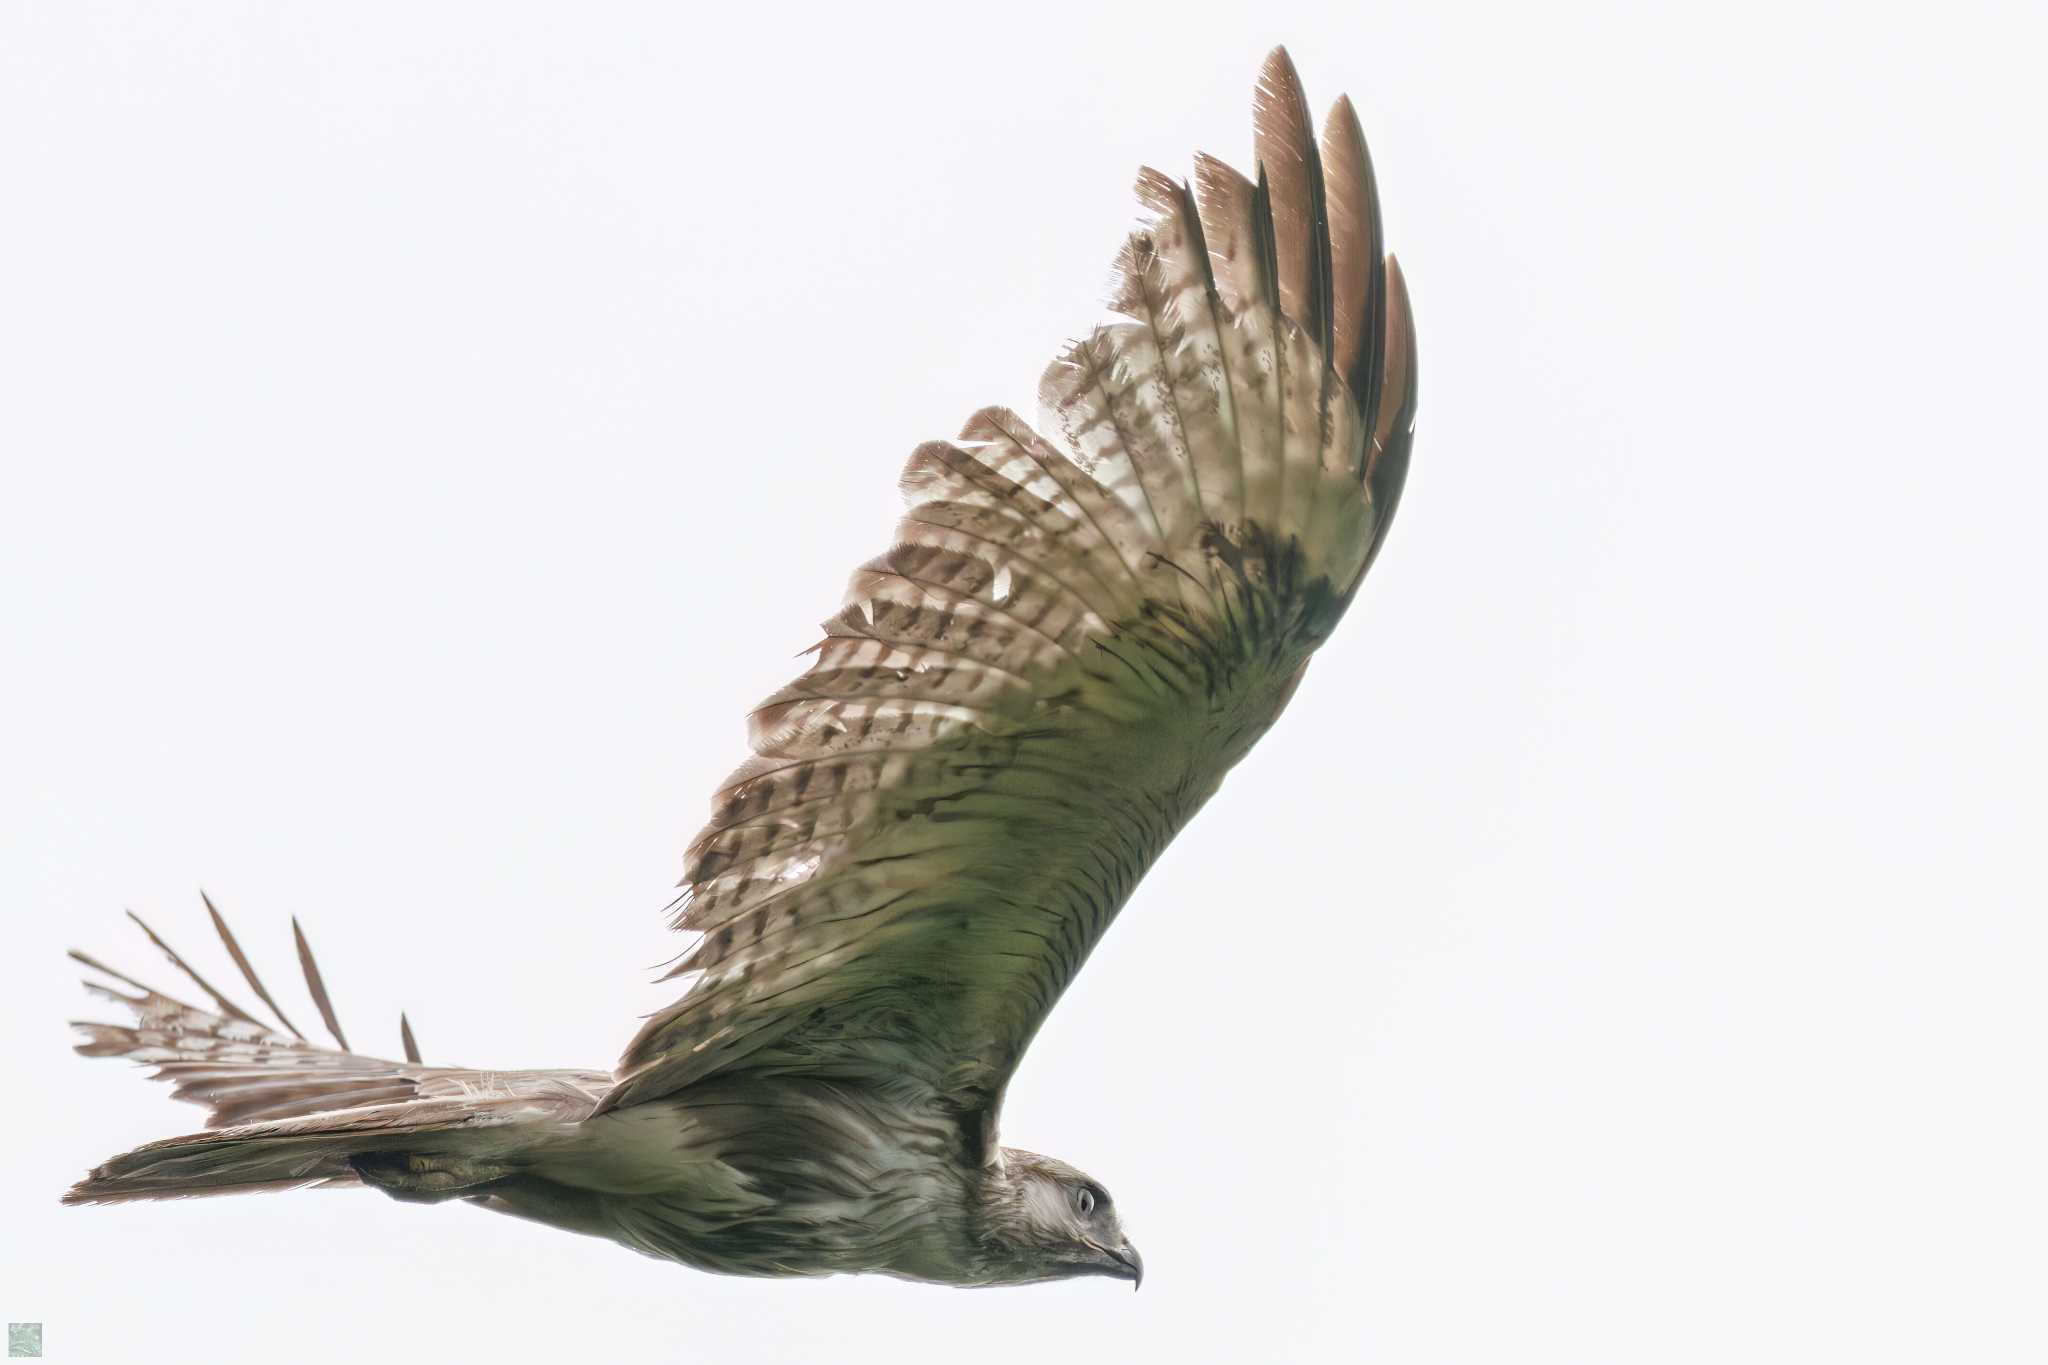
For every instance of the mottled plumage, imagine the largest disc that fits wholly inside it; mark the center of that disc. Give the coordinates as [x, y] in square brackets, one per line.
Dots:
[1076, 633]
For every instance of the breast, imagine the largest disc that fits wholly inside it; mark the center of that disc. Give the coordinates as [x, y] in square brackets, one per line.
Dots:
[777, 1177]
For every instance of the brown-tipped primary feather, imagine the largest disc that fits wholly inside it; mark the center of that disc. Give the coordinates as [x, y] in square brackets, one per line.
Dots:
[1387, 469]
[405, 1038]
[1236, 257]
[1237, 230]
[1169, 283]
[1397, 409]
[227, 1006]
[248, 972]
[1284, 139]
[316, 985]
[1358, 287]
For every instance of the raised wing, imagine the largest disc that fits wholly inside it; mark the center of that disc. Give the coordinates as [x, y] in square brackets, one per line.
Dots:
[1071, 641]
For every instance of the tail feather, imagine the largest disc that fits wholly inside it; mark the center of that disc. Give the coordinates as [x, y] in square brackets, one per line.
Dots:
[317, 986]
[326, 1149]
[284, 1112]
[227, 937]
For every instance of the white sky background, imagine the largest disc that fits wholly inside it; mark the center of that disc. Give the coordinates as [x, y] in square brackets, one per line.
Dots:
[427, 429]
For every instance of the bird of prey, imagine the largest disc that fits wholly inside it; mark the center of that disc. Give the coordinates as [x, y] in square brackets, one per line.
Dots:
[1077, 632]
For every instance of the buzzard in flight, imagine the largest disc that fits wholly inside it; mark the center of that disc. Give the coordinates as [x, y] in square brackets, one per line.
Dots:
[1078, 630]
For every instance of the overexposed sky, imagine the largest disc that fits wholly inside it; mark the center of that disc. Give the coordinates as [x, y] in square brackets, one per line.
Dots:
[428, 428]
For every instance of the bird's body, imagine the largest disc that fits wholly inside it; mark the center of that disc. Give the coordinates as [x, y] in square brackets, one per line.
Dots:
[1073, 639]
[795, 1177]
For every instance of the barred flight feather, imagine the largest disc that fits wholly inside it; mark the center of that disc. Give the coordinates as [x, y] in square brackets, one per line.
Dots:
[1071, 640]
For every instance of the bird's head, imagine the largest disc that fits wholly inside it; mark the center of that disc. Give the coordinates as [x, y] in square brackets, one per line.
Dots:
[1048, 1221]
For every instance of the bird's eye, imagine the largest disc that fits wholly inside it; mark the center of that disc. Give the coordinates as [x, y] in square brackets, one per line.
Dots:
[1084, 1200]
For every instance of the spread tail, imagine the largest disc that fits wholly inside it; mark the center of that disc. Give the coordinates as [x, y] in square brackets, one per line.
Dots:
[285, 1112]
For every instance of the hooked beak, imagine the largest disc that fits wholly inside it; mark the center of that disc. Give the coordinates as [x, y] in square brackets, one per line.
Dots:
[1129, 1265]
